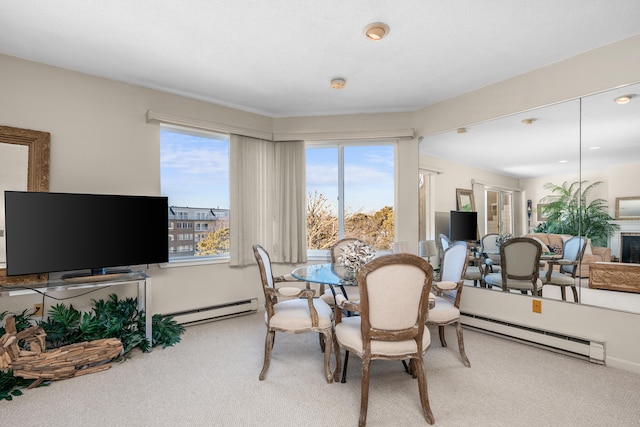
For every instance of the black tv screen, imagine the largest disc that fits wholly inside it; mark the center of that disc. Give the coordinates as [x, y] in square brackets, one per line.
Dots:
[54, 232]
[463, 226]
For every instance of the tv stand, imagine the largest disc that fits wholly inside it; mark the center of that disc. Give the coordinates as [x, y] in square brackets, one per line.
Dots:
[83, 282]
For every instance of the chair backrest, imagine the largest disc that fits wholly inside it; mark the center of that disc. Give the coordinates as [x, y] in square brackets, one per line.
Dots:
[489, 246]
[520, 259]
[266, 276]
[454, 262]
[573, 250]
[444, 242]
[335, 249]
[394, 298]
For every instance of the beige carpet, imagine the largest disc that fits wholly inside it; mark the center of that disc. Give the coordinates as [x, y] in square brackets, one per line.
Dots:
[211, 379]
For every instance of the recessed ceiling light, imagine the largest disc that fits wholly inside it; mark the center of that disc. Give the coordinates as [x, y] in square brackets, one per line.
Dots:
[461, 130]
[338, 83]
[528, 121]
[563, 161]
[594, 148]
[625, 98]
[376, 31]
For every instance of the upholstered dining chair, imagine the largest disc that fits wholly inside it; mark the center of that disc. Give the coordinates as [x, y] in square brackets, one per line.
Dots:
[490, 252]
[327, 295]
[447, 308]
[520, 265]
[572, 252]
[297, 312]
[393, 306]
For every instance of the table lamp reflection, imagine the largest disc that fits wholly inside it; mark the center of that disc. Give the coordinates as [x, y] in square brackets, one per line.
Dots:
[428, 249]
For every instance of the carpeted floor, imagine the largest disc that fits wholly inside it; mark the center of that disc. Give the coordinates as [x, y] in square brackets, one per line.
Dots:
[211, 379]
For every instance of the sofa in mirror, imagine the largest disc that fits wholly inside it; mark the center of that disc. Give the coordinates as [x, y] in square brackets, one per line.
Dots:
[588, 139]
[24, 166]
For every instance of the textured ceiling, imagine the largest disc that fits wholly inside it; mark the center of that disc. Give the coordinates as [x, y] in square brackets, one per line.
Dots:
[277, 57]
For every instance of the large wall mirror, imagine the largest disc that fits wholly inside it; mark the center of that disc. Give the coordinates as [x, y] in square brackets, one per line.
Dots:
[592, 139]
[24, 166]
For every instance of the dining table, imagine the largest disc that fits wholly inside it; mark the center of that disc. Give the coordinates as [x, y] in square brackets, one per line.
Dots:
[330, 274]
[335, 276]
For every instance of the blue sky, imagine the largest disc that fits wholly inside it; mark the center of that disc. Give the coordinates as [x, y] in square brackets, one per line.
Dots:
[195, 172]
[368, 176]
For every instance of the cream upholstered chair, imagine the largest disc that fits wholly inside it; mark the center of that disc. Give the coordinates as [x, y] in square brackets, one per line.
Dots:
[572, 252]
[446, 310]
[301, 313]
[490, 252]
[327, 295]
[393, 306]
[520, 262]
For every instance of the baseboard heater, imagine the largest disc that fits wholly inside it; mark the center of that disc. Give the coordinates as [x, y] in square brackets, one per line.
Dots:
[216, 312]
[586, 349]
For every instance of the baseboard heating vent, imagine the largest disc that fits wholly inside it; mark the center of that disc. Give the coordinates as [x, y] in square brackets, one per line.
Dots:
[216, 312]
[583, 348]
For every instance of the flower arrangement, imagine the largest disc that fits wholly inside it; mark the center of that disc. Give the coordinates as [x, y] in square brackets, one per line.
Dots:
[355, 255]
[503, 238]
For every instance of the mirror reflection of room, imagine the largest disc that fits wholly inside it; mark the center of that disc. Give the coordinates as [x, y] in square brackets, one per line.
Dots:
[567, 146]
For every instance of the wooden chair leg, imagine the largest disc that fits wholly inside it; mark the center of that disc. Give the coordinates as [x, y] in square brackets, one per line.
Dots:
[563, 292]
[322, 340]
[336, 347]
[327, 356]
[268, 345]
[463, 354]
[364, 392]
[443, 341]
[575, 293]
[422, 388]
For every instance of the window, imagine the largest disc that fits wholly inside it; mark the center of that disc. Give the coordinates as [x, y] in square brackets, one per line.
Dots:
[194, 169]
[499, 211]
[350, 193]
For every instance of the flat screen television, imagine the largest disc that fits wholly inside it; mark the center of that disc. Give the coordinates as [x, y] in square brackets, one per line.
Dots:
[56, 232]
[463, 226]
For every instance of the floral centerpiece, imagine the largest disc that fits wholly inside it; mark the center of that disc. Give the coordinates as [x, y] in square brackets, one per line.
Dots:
[502, 238]
[355, 255]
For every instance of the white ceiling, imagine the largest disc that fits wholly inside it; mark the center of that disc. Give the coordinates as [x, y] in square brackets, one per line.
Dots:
[277, 57]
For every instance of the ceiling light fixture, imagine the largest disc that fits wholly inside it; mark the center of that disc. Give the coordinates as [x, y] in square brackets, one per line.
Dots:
[461, 130]
[376, 31]
[338, 83]
[625, 98]
[528, 121]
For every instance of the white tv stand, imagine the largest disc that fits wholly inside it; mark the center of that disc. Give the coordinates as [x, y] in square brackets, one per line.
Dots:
[139, 277]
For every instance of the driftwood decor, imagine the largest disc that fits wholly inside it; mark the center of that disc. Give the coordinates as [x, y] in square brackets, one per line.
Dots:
[61, 363]
[36, 170]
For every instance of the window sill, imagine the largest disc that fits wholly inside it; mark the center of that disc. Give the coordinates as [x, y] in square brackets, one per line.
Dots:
[195, 261]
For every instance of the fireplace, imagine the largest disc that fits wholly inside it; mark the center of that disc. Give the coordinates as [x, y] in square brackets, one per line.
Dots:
[630, 247]
[629, 230]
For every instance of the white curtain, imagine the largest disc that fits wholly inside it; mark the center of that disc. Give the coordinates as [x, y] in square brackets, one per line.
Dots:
[267, 182]
[480, 198]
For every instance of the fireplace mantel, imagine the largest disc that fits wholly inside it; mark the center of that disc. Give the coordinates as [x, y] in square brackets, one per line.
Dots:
[615, 242]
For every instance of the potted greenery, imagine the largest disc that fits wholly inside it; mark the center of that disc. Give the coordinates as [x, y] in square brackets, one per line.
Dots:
[567, 212]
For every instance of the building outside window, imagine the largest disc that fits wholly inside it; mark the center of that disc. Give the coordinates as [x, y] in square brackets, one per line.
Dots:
[194, 169]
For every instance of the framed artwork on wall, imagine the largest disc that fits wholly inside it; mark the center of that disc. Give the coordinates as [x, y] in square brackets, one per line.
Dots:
[466, 202]
[540, 212]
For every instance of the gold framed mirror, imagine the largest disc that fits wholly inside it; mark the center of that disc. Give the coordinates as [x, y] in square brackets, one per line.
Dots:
[465, 199]
[628, 208]
[24, 166]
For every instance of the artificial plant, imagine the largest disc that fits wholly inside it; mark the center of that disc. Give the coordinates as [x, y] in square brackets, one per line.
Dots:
[568, 212]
